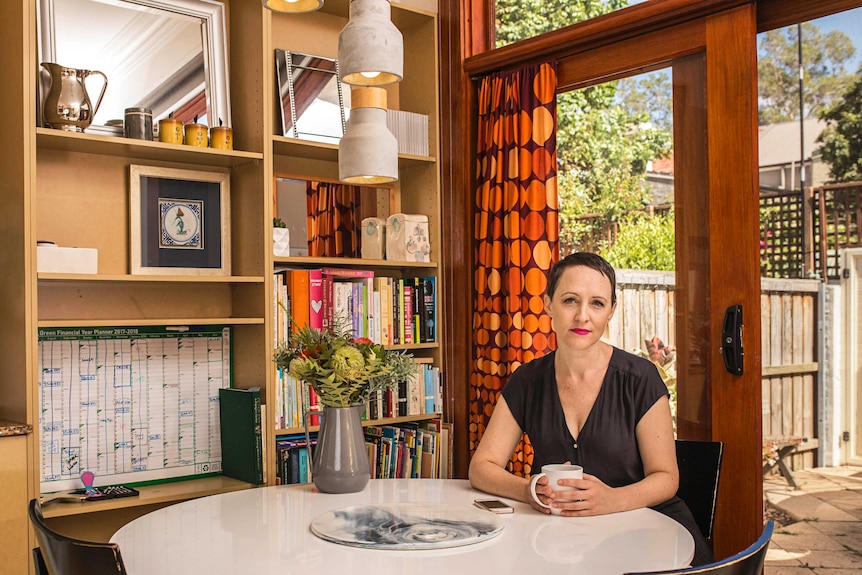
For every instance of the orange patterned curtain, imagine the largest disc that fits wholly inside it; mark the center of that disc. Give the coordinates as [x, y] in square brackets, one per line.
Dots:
[333, 219]
[516, 235]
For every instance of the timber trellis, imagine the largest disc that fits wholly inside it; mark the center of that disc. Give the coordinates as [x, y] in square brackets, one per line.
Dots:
[832, 216]
[646, 308]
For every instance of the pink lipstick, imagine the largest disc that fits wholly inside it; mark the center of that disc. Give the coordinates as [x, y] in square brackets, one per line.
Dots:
[580, 331]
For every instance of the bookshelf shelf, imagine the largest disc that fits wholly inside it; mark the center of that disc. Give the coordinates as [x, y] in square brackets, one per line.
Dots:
[310, 150]
[125, 322]
[120, 278]
[353, 263]
[365, 423]
[173, 492]
[82, 143]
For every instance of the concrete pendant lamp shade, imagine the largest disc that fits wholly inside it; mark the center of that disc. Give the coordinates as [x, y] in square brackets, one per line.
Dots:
[368, 152]
[370, 47]
[293, 6]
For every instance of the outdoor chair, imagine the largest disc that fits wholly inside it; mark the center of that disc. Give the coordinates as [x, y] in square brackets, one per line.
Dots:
[747, 562]
[64, 555]
[699, 471]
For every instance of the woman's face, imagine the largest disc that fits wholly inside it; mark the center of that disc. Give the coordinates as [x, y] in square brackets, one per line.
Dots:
[581, 308]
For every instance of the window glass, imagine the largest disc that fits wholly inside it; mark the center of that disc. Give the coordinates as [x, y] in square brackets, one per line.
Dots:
[809, 110]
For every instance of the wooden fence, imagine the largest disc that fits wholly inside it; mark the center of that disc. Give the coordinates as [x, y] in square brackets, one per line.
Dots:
[645, 309]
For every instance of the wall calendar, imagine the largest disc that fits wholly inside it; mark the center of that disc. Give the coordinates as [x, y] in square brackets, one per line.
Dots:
[130, 404]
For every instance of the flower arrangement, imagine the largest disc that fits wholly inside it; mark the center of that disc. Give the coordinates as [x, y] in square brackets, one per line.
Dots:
[344, 371]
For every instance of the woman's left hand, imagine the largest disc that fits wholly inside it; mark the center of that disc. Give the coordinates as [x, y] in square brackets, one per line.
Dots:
[592, 497]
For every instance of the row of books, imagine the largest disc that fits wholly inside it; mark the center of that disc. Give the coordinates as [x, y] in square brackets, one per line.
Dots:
[417, 450]
[292, 460]
[386, 310]
[404, 451]
[420, 395]
[411, 131]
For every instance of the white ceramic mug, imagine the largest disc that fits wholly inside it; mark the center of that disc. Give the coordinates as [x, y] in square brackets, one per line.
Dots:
[555, 472]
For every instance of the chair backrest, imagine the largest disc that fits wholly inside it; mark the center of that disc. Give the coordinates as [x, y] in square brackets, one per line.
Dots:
[747, 562]
[699, 471]
[67, 556]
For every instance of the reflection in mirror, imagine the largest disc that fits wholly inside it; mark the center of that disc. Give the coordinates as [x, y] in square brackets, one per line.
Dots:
[330, 225]
[312, 103]
[166, 55]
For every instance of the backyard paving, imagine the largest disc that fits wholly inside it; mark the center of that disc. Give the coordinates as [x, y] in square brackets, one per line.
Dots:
[818, 526]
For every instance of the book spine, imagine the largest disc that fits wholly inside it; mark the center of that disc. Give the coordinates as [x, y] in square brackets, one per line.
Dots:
[315, 299]
[429, 317]
[258, 438]
[348, 273]
[407, 307]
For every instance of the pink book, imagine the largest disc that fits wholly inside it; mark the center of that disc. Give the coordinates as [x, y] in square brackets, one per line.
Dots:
[315, 299]
[348, 273]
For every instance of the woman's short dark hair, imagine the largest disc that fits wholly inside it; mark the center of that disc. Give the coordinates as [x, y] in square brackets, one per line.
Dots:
[586, 259]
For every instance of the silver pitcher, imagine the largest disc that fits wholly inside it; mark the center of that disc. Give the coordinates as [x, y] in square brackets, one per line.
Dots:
[67, 104]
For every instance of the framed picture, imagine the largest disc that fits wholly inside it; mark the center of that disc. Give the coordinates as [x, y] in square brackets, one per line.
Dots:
[180, 221]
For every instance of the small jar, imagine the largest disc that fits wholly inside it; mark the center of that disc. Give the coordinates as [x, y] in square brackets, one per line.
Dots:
[138, 123]
[170, 131]
[221, 137]
[196, 135]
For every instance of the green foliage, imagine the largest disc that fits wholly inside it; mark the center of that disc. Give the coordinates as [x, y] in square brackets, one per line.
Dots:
[522, 19]
[823, 57]
[603, 152]
[278, 223]
[644, 242]
[344, 371]
[842, 138]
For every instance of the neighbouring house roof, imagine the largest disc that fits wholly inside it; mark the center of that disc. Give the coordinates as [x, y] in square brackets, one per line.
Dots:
[779, 143]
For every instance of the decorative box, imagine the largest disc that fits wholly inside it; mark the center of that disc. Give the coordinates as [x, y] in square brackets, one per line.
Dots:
[407, 238]
[54, 259]
[280, 242]
[373, 232]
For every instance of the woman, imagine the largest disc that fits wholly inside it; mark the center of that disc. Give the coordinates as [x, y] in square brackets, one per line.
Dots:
[590, 404]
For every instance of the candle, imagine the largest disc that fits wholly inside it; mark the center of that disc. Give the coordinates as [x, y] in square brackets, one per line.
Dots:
[196, 135]
[170, 131]
[221, 137]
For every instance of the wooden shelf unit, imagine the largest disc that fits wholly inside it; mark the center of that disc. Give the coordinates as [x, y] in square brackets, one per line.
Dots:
[73, 189]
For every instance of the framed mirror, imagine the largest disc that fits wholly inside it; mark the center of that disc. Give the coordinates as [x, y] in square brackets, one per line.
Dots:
[312, 103]
[166, 55]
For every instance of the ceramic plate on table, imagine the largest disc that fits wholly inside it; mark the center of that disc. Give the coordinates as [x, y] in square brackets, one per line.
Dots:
[407, 526]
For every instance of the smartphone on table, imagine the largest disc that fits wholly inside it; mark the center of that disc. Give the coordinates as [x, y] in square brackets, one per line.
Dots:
[494, 505]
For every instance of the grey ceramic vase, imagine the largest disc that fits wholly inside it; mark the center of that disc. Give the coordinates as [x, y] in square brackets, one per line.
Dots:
[340, 461]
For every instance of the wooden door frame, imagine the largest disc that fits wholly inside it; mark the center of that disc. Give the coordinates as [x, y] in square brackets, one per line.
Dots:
[714, 404]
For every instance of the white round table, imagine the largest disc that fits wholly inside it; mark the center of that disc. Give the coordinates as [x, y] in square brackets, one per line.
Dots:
[266, 531]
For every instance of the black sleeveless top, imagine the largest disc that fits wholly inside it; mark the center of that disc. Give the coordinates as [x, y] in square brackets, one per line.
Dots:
[607, 445]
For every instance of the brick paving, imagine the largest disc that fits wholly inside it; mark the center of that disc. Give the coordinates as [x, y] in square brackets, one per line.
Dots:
[824, 533]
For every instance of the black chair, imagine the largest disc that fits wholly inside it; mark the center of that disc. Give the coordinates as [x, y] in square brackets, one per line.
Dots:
[699, 471]
[67, 556]
[748, 562]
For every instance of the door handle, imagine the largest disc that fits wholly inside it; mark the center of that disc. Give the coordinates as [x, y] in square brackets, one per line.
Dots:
[731, 340]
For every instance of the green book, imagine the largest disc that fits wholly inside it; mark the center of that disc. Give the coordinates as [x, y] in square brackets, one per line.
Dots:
[241, 448]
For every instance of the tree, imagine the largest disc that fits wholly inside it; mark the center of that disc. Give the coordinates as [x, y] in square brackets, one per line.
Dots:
[842, 138]
[522, 19]
[823, 58]
[649, 94]
[645, 242]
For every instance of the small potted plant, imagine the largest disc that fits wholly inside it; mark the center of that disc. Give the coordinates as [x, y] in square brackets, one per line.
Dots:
[280, 238]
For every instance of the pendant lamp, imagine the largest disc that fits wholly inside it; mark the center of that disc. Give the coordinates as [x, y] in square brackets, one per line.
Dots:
[292, 6]
[370, 47]
[368, 152]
